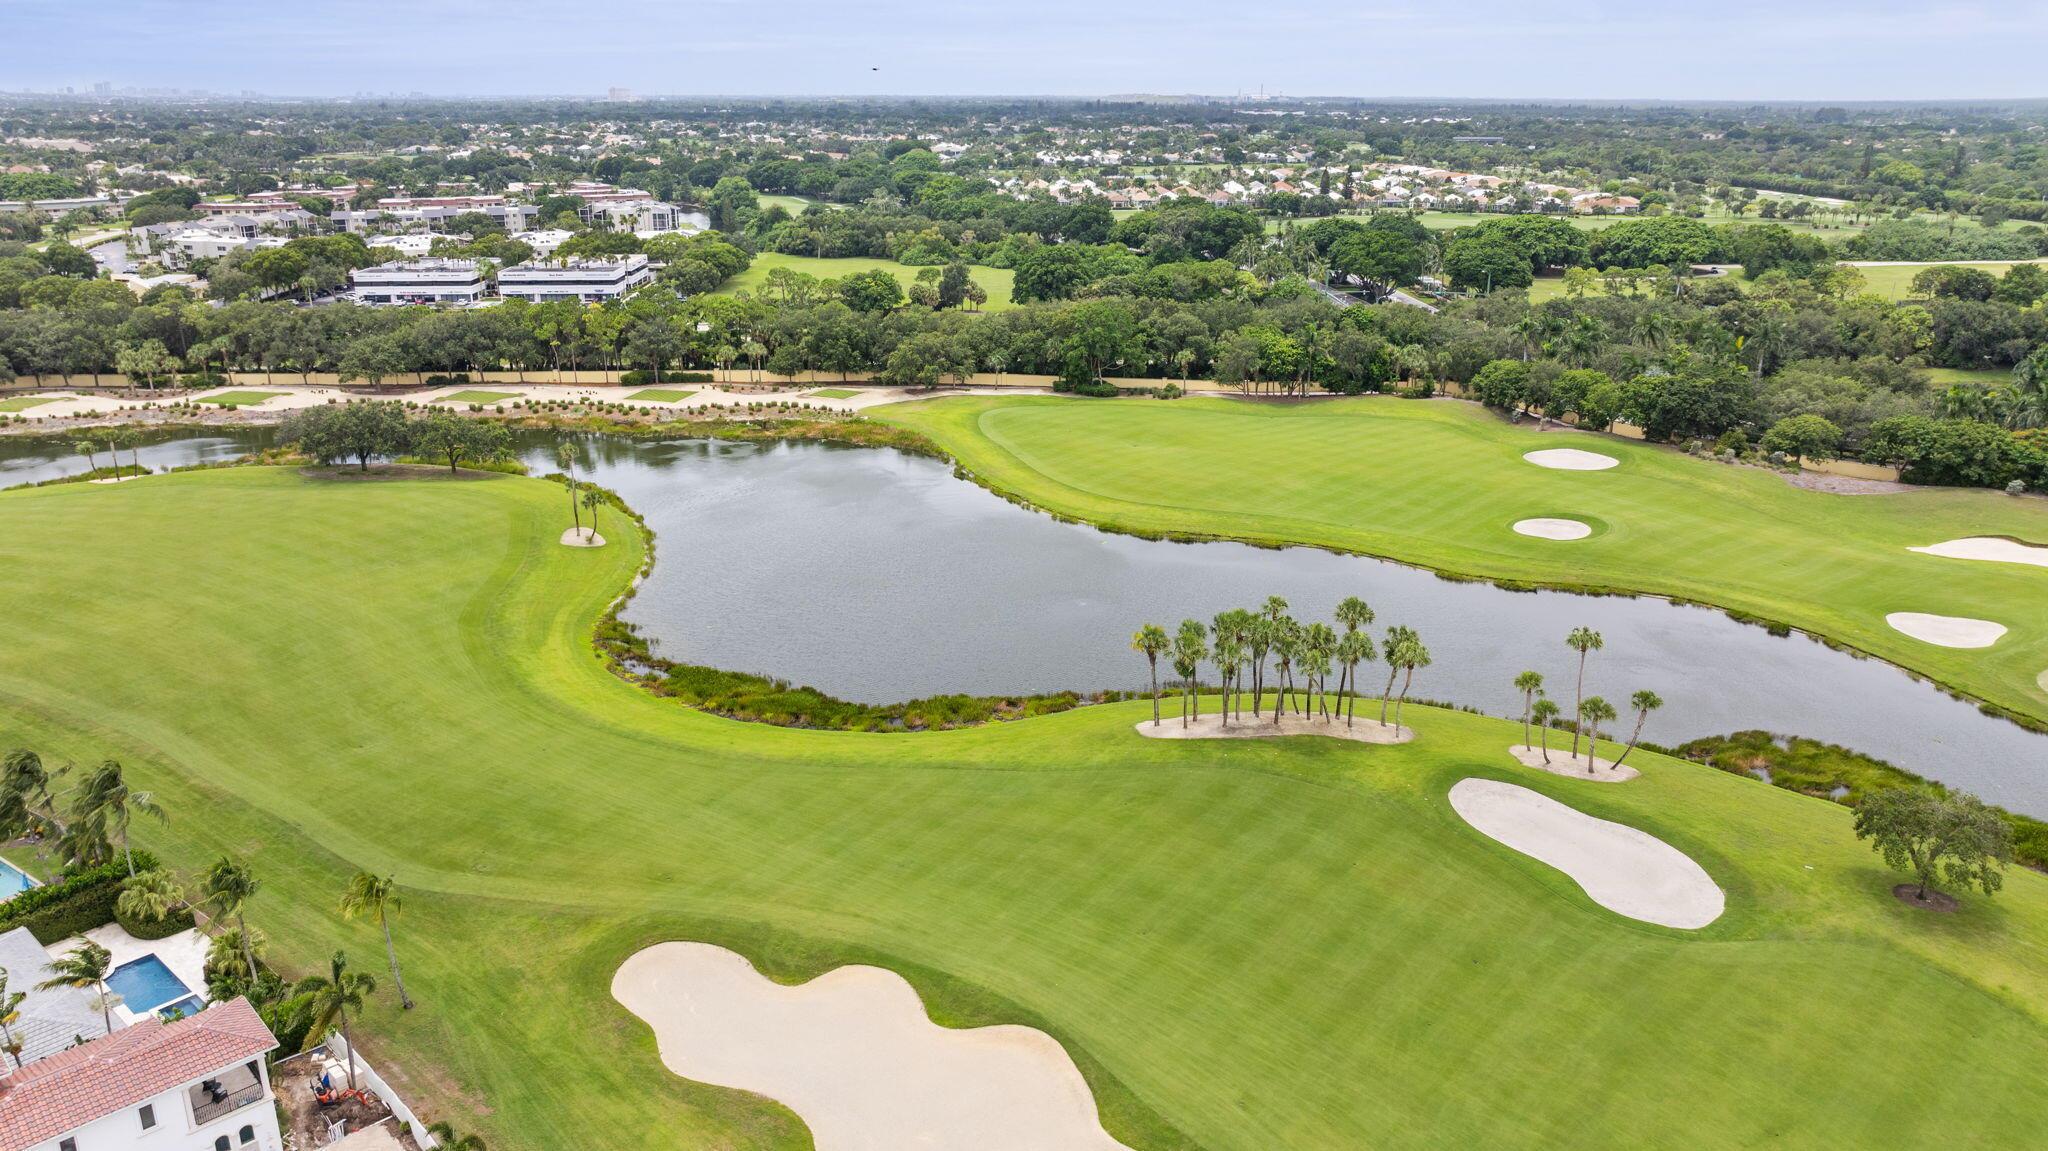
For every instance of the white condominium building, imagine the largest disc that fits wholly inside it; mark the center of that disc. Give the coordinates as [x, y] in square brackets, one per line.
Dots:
[431, 281]
[588, 280]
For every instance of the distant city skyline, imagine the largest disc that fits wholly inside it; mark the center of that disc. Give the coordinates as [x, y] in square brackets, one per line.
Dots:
[1743, 50]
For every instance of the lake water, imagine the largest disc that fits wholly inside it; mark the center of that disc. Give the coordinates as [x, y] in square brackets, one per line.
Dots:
[877, 576]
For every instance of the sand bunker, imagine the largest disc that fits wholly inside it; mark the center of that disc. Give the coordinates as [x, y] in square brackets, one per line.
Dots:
[1362, 729]
[1624, 870]
[1946, 630]
[1994, 548]
[582, 538]
[1570, 460]
[1562, 762]
[853, 1053]
[1549, 529]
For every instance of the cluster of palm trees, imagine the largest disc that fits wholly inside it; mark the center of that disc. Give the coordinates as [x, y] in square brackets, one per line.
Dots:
[114, 439]
[87, 823]
[591, 498]
[1242, 644]
[1541, 713]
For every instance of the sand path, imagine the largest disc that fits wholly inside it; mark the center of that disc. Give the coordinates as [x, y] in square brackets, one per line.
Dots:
[1363, 730]
[853, 1053]
[1553, 529]
[1570, 459]
[1946, 630]
[1996, 549]
[1627, 871]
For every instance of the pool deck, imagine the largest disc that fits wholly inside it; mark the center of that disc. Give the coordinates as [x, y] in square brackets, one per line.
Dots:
[184, 953]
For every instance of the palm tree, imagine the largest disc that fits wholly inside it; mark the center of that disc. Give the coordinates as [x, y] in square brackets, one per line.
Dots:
[10, 1014]
[86, 966]
[1270, 614]
[368, 894]
[1355, 648]
[106, 801]
[151, 896]
[333, 996]
[1228, 653]
[1151, 640]
[1353, 613]
[1582, 640]
[125, 438]
[593, 499]
[90, 451]
[1545, 712]
[566, 456]
[1394, 649]
[1530, 684]
[753, 350]
[1415, 656]
[1318, 649]
[1286, 648]
[228, 888]
[27, 806]
[1644, 702]
[1190, 647]
[1592, 713]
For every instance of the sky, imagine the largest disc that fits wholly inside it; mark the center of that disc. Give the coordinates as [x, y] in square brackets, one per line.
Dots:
[1481, 49]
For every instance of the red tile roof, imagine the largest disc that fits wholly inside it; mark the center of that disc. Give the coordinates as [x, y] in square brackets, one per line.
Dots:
[75, 1087]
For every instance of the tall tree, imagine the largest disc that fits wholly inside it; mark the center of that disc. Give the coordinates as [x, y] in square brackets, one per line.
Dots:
[332, 997]
[1530, 684]
[593, 499]
[1393, 649]
[566, 456]
[1190, 648]
[10, 1014]
[105, 801]
[369, 894]
[1544, 712]
[227, 890]
[1355, 648]
[1414, 655]
[1644, 702]
[1583, 640]
[1593, 711]
[86, 965]
[1150, 640]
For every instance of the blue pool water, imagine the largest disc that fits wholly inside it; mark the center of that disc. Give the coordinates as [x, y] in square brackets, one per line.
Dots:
[145, 984]
[13, 880]
[183, 1008]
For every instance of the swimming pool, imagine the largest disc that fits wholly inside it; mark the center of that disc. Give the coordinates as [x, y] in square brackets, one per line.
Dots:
[13, 880]
[145, 984]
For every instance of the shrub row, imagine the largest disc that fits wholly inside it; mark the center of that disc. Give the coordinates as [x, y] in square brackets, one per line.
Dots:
[78, 901]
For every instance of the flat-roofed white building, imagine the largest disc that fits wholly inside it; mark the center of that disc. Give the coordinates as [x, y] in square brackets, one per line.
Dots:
[431, 281]
[545, 241]
[588, 280]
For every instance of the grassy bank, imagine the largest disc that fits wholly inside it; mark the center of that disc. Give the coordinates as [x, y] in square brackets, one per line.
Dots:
[1440, 484]
[1245, 945]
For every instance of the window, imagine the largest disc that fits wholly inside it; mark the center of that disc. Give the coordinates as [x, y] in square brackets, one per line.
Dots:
[67, 1145]
[148, 1114]
[220, 1144]
[248, 1135]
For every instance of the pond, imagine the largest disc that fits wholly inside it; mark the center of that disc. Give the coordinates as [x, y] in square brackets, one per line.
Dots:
[878, 576]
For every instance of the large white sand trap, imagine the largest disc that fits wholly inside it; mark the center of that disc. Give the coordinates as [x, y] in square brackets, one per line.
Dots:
[1362, 729]
[1549, 529]
[1946, 630]
[1995, 548]
[853, 1053]
[1570, 459]
[1563, 762]
[1623, 869]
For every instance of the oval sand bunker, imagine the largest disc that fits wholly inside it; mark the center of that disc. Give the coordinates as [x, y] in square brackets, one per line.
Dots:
[1623, 869]
[1570, 459]
[1946, 630]
[1553, 529]
[1996, 549]
[853, 1053]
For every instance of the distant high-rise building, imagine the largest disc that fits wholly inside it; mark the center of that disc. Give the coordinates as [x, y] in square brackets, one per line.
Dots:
[618, 95]
[102, 88]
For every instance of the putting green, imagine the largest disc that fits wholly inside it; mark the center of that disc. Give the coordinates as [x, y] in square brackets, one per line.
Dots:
[1433, 482]
[240, 399]
[477, 397]
[1245, 945]
[659, 395]
[24, 403]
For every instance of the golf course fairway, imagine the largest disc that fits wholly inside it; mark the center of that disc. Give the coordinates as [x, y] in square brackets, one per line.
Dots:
[1244, 944]
[1441, 484]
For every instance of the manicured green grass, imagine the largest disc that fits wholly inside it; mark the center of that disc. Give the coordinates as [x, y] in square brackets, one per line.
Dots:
[659, 395]
[1983, 377]
[477, 397]
[240, 399]
[995, 281]
[836, 393]
[1256, 944]
[1895, 281]
[24, 403]
[795, 205]
[1438, 483]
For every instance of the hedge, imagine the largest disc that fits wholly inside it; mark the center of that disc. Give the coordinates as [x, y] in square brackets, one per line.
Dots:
[178, 920]
[89, 908]
[79, 901]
